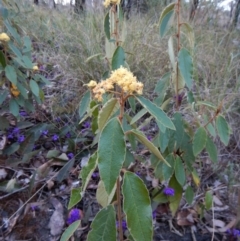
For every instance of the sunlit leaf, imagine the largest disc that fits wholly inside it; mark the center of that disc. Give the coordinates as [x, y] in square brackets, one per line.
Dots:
[137, 207]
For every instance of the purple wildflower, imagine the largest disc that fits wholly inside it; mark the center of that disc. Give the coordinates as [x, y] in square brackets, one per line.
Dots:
[44, 133]
[168, 191]
[70, 155]
[73, 216]
[21, 139]
[15, 130]
[41, 68]
[149, 138]
[68, 135]
[10, 136]
[138, 173]
[124, 225]
[57, 119]
[154, 214]
[95, 175]
[23, 113]
[34, 207]
[234, 232]
[55, 137]
[87, 124]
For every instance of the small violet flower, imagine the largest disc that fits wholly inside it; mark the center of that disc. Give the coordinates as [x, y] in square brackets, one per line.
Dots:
[21, 139]
[168, 191]
[70, 155]
[154, 214]
[87, 125]
[55, 137]
[95, 175]
[234, 232]
[124, 225]
[44, 133]
[10, 136]
[73, 216]
[15, 130]
[68, 135]
[23, 113]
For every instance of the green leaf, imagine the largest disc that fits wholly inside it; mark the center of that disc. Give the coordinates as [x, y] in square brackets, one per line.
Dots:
[199, 140]
[3, 12]
[12, 31]
[14, 107]
[2, 59]
[34, 87]
[111, 153]
[84, 103]
[4, 123]
[137, 207]
[11, 74]
[223, 129]
[165, 17]
[3, 95]
[132, 103]
[168, 171]
[15, 50]
[176, 199]
[208, 200]
[28, 63]
[186, 66]
[102, 197]
[27, 145]
[53, 154]
[107, 26]
[75, 197]
[109, 108]
[118, 59]
[189, 195]
[156, 111]
[180, 171]
[70, 231]
[140, 136]
[104, 226]
[161, 88]
[211, 149]
[139, 115]
[171, 51]
[128, 159]
[64, 172]
[11, 149]
[88, 170]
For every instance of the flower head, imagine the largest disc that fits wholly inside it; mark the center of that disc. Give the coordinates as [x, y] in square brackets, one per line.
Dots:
[70, 155]
[44, 133]
[21, 139]
[35, 67]
[55, 137]
[168, 191]
[92, 84]
[121, 77]
[4, 37]
[124, 225]
[108, 2]
[68, 135]
[73, 216]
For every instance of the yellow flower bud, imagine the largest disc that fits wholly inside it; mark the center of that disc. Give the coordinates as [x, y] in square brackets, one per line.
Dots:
[92, 84]
[4, 37]
[35, 68]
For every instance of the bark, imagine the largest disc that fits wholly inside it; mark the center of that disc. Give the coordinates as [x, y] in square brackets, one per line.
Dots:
[79, 6]
[236, 14]
[194, 7]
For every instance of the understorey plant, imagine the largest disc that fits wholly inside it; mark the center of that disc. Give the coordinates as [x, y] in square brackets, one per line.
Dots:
[127, 204]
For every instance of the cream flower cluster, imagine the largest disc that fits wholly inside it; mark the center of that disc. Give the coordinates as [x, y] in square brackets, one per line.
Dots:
[122, 78]
[108, 2]
[4, 37]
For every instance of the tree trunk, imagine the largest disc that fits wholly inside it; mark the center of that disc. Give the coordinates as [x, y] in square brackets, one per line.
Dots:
[51, 4]
[35, 2]
[236, 14]
[194, 7]
[79, 6]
